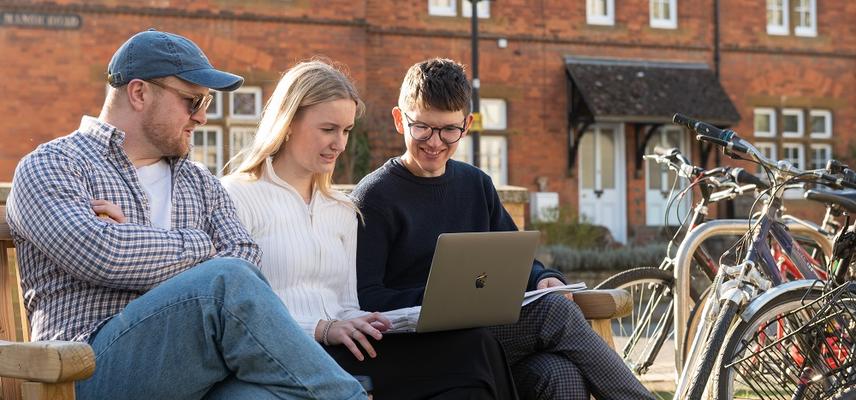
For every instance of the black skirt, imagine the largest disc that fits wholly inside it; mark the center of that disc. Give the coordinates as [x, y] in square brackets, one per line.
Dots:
[461, 364]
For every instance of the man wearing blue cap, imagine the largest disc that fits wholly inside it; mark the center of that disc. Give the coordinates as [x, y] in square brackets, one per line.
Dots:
[125, 244]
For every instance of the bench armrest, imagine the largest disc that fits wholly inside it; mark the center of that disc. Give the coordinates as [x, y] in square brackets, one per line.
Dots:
[48, 362]
[604, 303]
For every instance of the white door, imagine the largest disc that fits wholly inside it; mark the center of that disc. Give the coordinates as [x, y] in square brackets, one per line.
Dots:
[601, 176]
[659, 180]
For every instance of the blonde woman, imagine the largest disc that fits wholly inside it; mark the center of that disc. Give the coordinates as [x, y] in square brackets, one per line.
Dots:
[307, 233]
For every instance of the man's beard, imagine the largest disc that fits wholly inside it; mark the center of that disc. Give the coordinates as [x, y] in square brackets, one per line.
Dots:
[168, 144]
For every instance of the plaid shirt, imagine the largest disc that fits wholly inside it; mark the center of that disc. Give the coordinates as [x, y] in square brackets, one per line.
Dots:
[77, 271]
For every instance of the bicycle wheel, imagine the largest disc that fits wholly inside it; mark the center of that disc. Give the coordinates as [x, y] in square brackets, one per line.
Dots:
[706, 363]
[640, 336]
[757, 359]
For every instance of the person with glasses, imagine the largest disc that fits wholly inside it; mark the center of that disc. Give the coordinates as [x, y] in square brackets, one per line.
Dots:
[411, 199]
[127, 245]
[307, 232]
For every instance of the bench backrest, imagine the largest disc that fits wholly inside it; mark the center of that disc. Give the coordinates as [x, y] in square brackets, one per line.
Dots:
[14, 326]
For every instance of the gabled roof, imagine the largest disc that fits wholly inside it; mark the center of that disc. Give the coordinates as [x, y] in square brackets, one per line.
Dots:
[649, 92]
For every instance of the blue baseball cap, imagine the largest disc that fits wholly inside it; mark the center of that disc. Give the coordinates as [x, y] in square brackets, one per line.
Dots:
[154, 54]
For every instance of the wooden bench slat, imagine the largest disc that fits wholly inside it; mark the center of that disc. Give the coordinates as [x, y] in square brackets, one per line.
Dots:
[47, 361]
[604, 303]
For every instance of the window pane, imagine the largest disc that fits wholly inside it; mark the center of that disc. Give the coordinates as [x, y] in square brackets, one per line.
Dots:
[820, 155]
[493, 114]
[655, 170]
[463, 152]
[206, 148]
[791, 123]
[768, 150]
[493, 157]
[762, 123]
[483, 8]
[774, 12]
[818, 124]
[240, 138]
[245, 104]
[793, 154]
[586, 157]
[442, 7]
[607, 159]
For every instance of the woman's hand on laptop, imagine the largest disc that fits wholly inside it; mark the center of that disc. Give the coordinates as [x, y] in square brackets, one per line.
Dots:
[551, 282]
[358, 330]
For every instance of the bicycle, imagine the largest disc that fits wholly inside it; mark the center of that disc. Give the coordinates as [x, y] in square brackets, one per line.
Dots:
[650, 324]
[735, 286]
[799, 348]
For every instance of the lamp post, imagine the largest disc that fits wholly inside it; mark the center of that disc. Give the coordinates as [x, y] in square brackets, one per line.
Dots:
[476, 126]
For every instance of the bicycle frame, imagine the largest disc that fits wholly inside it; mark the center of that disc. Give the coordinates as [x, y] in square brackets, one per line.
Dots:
[694, 239]
[759, 256]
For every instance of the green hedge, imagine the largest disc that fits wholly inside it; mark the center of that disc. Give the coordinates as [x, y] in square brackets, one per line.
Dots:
[567, 259]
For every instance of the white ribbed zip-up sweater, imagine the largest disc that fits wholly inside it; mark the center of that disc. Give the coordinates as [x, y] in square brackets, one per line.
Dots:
[308, 250]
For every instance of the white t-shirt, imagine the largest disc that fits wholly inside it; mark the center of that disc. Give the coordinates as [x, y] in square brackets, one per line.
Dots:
[156, 180]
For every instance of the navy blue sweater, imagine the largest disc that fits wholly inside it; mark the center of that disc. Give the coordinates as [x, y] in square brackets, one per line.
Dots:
[404, 214]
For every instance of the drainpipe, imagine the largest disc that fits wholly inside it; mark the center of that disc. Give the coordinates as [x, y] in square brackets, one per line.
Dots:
[716, 38]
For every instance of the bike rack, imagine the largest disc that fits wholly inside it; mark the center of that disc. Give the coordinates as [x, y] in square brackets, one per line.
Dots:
[694, 239]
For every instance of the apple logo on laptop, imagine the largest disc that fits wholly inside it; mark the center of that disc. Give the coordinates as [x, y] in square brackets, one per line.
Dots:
[481, 280]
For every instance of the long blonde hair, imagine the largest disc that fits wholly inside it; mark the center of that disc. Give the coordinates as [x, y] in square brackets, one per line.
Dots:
[303, 85]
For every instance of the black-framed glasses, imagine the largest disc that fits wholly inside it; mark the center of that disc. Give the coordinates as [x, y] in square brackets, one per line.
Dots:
[196, 101]
[448, 134]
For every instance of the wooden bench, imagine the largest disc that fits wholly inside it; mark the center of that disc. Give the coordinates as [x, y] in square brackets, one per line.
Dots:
[47, 370]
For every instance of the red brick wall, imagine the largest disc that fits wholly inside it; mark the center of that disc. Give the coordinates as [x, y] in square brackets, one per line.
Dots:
[49, 78]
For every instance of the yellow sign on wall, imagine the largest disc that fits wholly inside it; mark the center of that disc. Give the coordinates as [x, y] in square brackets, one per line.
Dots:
[477, 122]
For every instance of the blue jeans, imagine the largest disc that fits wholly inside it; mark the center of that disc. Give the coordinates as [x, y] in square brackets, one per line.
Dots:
[216, 330]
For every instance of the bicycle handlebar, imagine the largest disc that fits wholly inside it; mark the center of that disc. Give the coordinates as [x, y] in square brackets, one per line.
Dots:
[727, 138]
[742, 177]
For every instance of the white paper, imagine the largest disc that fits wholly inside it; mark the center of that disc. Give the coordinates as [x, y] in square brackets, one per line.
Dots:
[533, 295]
[403, 319]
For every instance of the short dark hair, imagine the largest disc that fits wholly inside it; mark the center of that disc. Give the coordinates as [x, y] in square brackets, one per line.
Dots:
[436, 84]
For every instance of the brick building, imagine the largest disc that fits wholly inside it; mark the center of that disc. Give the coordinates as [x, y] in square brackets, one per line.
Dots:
[573, 91]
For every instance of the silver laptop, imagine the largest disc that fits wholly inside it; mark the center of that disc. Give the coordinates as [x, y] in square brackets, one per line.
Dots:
[477, 279]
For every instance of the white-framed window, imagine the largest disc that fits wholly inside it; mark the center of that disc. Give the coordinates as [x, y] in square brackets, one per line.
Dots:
[794, 153]
[600, 12]
[768, 149]
[664, 14]
[820, 154]
[245, 103]
[215, 109]
[493, 151]
[482, 7]
[792, 122]
[777, 17]
[765, 122]
[443, 8]
[494, 114]
[806, 14]
[820, 124]
[240, 138]
[208, 148]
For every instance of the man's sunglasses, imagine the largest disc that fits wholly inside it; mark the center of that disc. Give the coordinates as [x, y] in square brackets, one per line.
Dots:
[196, 101]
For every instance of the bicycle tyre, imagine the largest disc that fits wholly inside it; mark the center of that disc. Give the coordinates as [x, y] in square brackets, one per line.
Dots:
[709, 356]
[640, 335]
[785, 302]
[693, 323]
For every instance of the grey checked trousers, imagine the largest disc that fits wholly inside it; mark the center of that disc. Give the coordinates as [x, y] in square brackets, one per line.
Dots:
[554, 354]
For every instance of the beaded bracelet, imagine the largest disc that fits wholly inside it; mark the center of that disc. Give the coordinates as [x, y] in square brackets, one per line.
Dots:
[326, 331]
